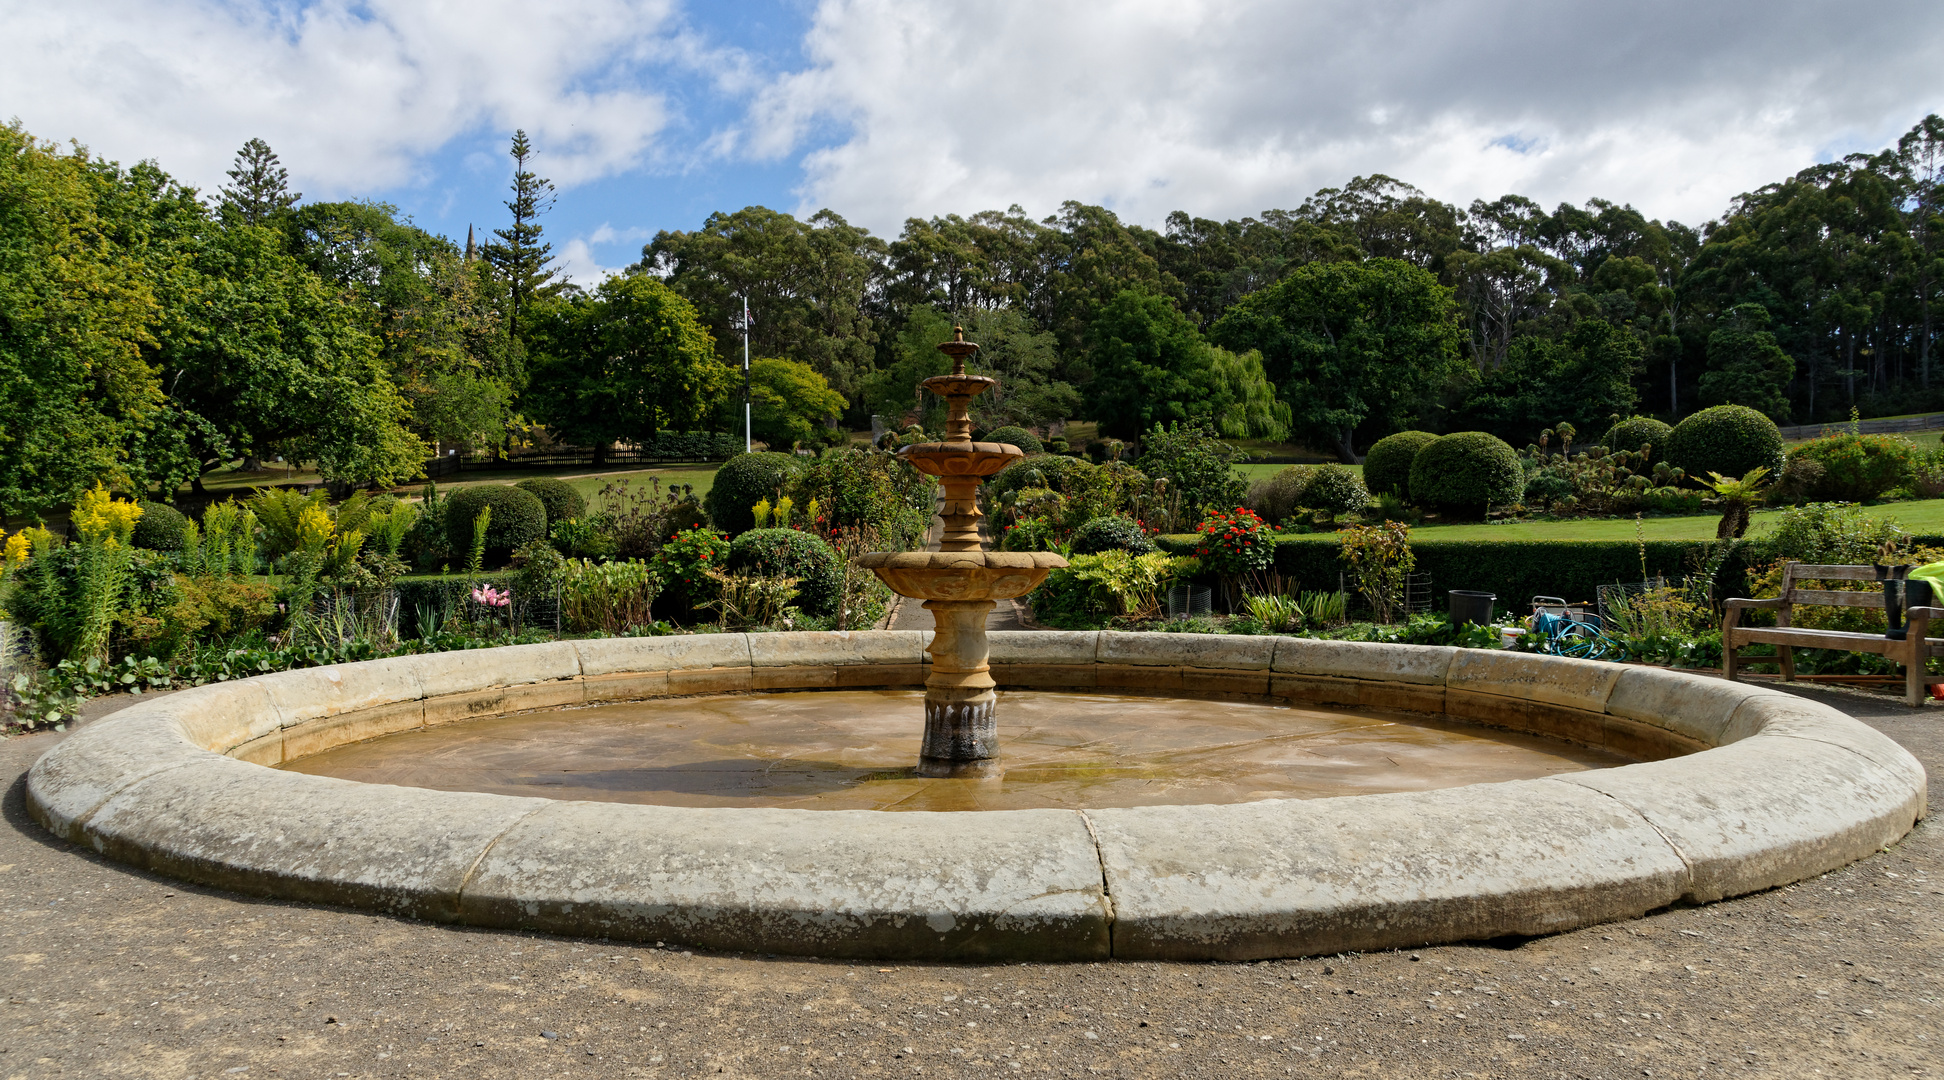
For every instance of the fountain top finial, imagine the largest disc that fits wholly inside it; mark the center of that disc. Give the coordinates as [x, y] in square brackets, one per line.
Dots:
[958, 349]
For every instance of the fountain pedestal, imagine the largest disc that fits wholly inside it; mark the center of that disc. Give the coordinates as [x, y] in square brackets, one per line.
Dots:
[961, 582]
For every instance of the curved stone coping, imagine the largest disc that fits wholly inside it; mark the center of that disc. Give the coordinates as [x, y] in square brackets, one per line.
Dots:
[1758, 789]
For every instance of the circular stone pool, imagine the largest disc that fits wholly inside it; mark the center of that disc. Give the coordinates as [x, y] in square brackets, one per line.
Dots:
[855, 749]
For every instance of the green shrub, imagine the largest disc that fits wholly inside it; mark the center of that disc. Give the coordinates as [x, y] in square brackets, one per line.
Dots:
[1336, 490]
[1467, 471]
[1278, 497]
[1016, 436]
[1111, 533]
[517, 518]
[1855, 468]
[1058, 473]
[1387, 468]
[161, 528]
[745, 480]
[1517, 570]
[1068, 602]
[790, 553]
[1637, 431]
[1727, 439]
[562, 502]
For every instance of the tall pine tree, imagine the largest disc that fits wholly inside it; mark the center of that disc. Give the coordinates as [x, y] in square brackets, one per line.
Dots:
[520, 257]
[261, 186]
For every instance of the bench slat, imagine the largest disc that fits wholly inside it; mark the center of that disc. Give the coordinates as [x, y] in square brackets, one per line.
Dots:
[1837, 598]
[1841, 640]
[1832, 573]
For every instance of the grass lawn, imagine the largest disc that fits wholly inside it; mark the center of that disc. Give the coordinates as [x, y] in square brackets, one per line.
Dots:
[589, 484]
[1924, 517]
[1264, 472]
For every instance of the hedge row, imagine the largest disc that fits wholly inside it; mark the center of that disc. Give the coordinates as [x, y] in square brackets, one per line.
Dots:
[692, 445]
[1516, 570]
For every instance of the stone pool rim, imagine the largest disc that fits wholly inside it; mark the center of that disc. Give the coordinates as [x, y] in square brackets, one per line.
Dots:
[1756, 789]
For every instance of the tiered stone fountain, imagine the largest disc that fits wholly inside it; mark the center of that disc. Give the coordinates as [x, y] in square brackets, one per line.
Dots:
[961, 582]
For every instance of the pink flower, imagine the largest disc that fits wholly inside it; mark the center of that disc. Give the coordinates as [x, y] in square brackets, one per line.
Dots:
[492, 597]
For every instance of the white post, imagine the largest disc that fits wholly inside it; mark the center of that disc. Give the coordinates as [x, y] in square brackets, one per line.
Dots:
[749, 437]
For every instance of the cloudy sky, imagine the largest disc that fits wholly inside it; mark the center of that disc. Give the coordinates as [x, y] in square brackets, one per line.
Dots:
[648, 114]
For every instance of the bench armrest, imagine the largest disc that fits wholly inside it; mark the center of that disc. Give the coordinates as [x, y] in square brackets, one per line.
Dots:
[1738, 602]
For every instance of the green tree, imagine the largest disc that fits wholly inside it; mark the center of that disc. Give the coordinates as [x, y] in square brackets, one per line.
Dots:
[78, 309]
[1746, 366]
[441, 320]
[259, 191]
[805, 281]
[520, 256]
[1581, 379]
[277, 360]
[1150, 366]
[1350, 343]
[789, 401]
[623, 363]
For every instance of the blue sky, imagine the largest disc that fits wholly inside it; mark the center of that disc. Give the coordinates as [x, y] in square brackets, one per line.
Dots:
[466, 181]
[650, 114]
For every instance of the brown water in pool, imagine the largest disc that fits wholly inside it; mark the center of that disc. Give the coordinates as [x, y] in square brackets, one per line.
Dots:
[848, 750]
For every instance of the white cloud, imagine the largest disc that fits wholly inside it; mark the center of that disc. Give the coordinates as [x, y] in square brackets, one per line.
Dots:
[353, 94]
[1231, 108]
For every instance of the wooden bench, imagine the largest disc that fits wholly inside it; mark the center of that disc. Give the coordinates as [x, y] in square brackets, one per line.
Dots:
[1911, 652]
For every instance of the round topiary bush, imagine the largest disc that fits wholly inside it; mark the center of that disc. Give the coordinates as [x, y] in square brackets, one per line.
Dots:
[1017, 436]
[1467, 471]
[1111, 533]
[1336, 490]
[790, 553]
[517, 518]
[563, 503]
[1387, 468]
[161, 528]
[1727, 439]
[1048, 471]
[1631, 434]
[745, 480]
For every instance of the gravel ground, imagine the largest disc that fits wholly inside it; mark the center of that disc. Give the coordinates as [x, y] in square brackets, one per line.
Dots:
[110, 973]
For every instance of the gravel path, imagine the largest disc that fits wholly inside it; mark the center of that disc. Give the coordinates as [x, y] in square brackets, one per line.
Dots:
[108, 973]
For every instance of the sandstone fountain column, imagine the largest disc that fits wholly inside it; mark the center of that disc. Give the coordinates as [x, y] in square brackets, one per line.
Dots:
[961, 581]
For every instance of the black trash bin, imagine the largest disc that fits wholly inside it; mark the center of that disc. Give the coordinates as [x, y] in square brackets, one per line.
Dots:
[1471, 607]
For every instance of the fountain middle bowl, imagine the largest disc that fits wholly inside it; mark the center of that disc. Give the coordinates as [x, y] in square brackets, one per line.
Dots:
[962, 575]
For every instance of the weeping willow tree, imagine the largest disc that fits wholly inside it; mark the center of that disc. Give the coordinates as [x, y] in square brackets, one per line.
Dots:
[1246, 406]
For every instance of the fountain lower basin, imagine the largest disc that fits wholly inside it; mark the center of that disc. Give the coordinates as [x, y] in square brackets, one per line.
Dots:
[1756, 789]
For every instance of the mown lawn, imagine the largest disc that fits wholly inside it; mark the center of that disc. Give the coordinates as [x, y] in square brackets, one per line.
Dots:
[1923, 517]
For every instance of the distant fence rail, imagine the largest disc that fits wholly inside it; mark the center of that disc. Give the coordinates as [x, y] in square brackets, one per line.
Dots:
[1930, 422]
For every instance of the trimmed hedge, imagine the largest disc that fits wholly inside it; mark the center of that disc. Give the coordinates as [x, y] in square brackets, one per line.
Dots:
[558, 496]
[1637, 431]
[1387, 468]
[692, 445]
[1111, 533]
[1516, 570]
[517, 518]
[1053, 469]
[791, 553]
[745, 480]
[161, 527]
[1727, 439]
[1467, 470]
[1016, 436]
